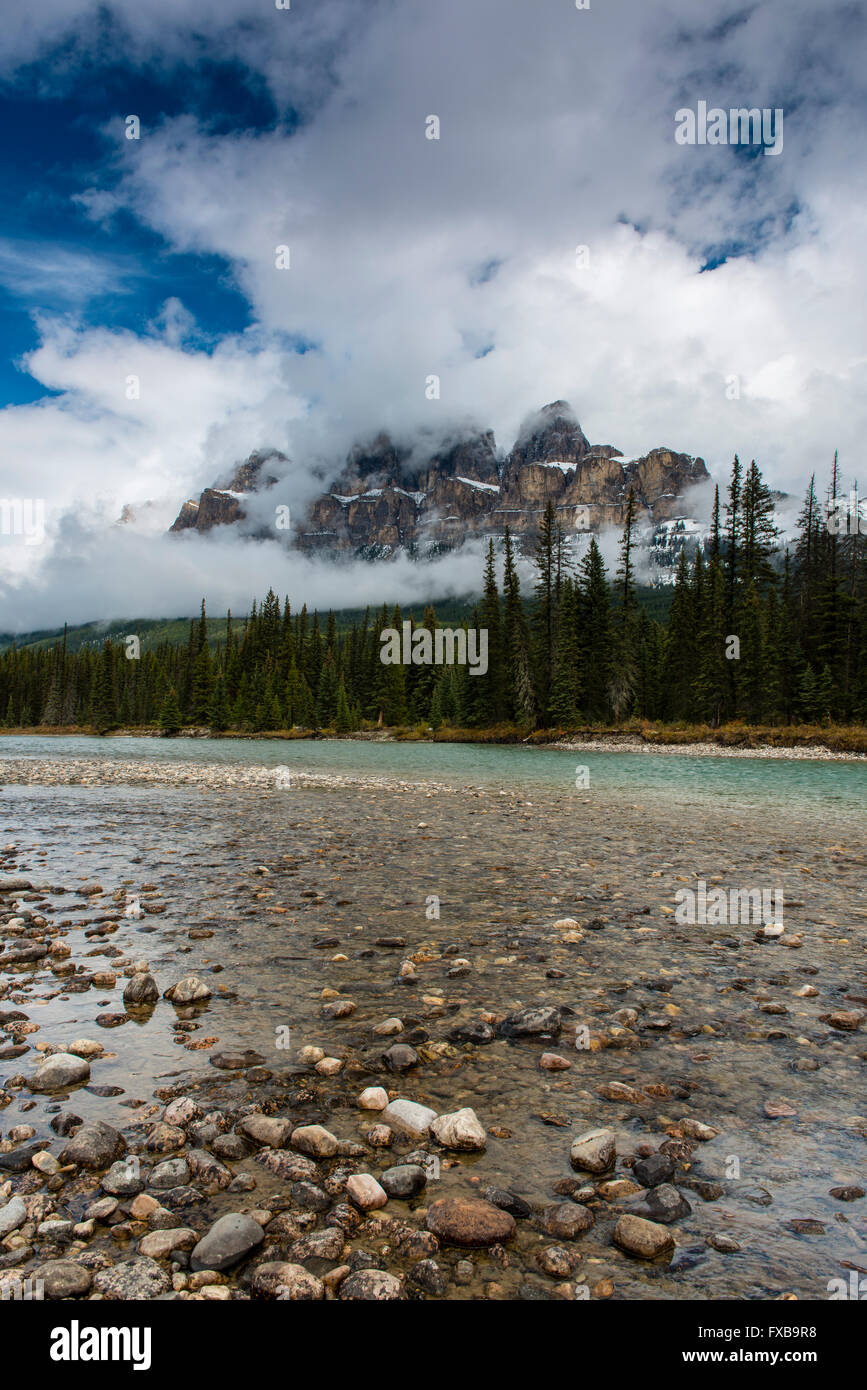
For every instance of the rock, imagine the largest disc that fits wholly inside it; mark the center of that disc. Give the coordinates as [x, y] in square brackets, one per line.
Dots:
[140, 1278]
[400, 1057]
[181, 1111]
[160, 1244]
[231, 1239]
[477, 1033]
[531, 1023]
[373, 1098]
[330, 1066]
[59, 1071]
[508, 1201]
[319, 1245]
[123, 1179]
[85, 1047]
[64, 1279]
[405, 1180]
[409, 1117]
[640, 1237]
[651, 1171]
[459, 1130]
[695, 1129]
[845, 1020]
[315, 1141]
[594, 1151]
[726, 1245]
[94, 1145]
[365, 1192]
[266, 1129]
[428, 1276]
[663, 1203]
[851, 1193]
[163, 1138]
[187, 991]
[370, 1286]
[341, 1008]
[388, 1027]
[552, 1061]
[289, 1282]
[172, 1172]
[557, 1262]
[142, 989]
[469, 1221]
[566, 1220]
[13, 1215]
[237, 1060]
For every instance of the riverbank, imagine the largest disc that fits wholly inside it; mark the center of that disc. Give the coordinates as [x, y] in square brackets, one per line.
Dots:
[426, 1042]
[804, 742]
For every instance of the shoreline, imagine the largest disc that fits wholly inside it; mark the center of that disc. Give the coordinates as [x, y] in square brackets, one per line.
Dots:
[614, 743]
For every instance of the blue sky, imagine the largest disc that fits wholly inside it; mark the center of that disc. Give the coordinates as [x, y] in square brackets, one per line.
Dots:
[156, 259]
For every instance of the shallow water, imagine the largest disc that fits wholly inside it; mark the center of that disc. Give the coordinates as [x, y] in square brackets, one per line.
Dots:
[504, 870]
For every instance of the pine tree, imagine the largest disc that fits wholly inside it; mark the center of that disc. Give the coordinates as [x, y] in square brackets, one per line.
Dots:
[171, 720]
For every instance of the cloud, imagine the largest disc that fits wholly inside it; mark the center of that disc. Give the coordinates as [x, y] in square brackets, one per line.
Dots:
[458, 257]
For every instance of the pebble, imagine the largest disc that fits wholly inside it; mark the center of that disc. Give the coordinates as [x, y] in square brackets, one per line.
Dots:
[365, 1192]
[640, 1237]
[231, 1239]
[58, 1072]
[373, 1098]
[409, 1117]
[593, 1151]
[459, 1130]
[315, 1141]
[469, 1221]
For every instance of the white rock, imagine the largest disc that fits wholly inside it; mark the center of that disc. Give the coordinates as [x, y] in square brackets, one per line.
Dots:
[460, 1130]
[373, 1098]
[409, 1117]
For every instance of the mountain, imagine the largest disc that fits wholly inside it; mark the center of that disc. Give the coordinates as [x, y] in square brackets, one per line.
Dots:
[426, 497]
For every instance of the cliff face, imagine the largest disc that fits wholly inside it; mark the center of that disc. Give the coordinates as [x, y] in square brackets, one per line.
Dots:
[426, 499]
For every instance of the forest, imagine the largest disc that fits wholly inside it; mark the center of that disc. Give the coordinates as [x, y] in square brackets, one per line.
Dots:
[755, 633]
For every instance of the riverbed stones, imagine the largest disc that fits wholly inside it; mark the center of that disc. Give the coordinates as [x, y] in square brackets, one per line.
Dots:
[653, 1170]
[469, 1221]
[158, 1245]
[314, 1140]
[594, 1151]
[373, 1098]
[59, 1071]
[64, 1279]
[12, 1215]
[370, 1286]
[542, 1022]
[409, 1117]
[95, 1144]
[123, 1179]
[365, 1192]
[460, 1130]
[189, 990]
[266, 1130]
[403, 1181]
[172, 1172]
[400, 1057]
[236, 1060]
[135, 1279]
[663, 1204]
[141, 990]
[638, 1236]
[231, 1239]
[291, 1283]
[566, 1220]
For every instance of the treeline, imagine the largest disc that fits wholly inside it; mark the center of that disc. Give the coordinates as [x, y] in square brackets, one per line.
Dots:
[749, 636]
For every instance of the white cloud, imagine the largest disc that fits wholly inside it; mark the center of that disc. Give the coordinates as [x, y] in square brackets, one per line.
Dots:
[557, 130]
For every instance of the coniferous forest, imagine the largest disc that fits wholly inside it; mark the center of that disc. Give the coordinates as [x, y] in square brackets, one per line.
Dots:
[578, 650]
